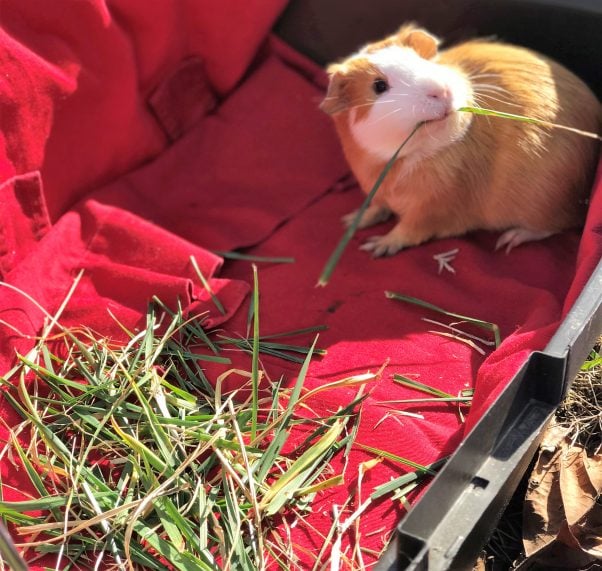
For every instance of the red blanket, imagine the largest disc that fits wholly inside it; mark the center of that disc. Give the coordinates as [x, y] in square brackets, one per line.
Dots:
[134, 136]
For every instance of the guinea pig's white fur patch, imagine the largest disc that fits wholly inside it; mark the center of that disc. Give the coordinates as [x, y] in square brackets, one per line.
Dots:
[418, 90]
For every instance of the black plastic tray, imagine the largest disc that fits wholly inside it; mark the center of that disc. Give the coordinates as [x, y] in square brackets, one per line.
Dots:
[448, 527]
[450, 524]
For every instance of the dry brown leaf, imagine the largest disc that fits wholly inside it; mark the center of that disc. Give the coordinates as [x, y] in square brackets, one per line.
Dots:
[581, 486]
[562, 518]
[543, 512]
[590, 536]
[593, 465]
[577, 490]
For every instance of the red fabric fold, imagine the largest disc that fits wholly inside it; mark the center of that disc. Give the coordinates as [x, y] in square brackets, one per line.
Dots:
[183, 98]
[244, 169]
[23, 218]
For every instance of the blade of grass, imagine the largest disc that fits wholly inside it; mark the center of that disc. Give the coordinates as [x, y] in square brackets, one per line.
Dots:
[44, 503]
[181, 561]
[333, 260]
[255, 357]
[253, 258]
[342, 414]
[280, 350]
[296, 332]
[459, 338]
[198, 356]
[281, 434]
[531, 120]
[9, 552]
[395, 458]
[431, 400]
[474, 321]
[411, 383]
[459, 331]
[404, 480]
[195, 328]
[323, 485]
[141, 449]
[277, 494]
[161, 437]
[207, 286]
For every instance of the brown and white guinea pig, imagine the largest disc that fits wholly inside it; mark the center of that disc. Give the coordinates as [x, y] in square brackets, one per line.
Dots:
[460, 172]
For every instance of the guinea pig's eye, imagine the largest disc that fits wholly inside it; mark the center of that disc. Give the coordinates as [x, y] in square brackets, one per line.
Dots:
[380, 86]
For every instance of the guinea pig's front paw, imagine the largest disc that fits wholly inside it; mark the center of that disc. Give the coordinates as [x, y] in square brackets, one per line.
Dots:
[371, 216]
[386, 245]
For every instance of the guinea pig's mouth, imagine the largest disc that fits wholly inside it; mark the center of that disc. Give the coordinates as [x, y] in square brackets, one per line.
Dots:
[441, 118]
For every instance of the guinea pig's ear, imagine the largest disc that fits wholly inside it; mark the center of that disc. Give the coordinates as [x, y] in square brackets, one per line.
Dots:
[421, 41]
[336, 99]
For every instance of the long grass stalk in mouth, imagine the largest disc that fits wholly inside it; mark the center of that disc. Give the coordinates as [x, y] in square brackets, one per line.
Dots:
[340, 248]
[524, 119]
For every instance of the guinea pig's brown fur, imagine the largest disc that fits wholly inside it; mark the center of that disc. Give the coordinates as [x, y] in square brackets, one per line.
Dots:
[462, 172]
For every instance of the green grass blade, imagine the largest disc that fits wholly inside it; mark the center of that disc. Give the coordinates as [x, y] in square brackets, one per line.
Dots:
[46, 374]
[161, 438]
[350, 231]
[406, 479]
[194, 328]
[411, 383]
[296, 332]
[181, 561]
[8, 552]
[531, 120]
[279, 492]
[170, 526]
[44, 503]
[182, 524]
[281, 434]
[323, 485]
[492, 327]
[255, 357]
[140, 448]
[252, 258]
[433, 400]
[395, 458]
[207, 286]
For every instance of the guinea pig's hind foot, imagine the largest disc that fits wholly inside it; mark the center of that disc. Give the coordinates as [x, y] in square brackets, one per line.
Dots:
[374, 214]
[516, 236]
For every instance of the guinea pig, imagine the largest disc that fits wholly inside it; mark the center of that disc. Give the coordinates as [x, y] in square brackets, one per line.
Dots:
[461, 172]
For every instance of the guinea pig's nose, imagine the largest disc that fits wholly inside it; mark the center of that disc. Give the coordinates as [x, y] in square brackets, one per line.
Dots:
[439, 92]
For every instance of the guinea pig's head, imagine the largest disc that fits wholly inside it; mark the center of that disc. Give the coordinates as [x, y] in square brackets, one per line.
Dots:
[388, 87]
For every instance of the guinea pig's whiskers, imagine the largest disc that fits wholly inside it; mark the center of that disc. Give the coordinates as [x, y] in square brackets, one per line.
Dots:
[482, 75]
[491, 87]
[426, 130]
[371, 103]
[384, 116]
[484, 97]
[504, 101]
[485, 90]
